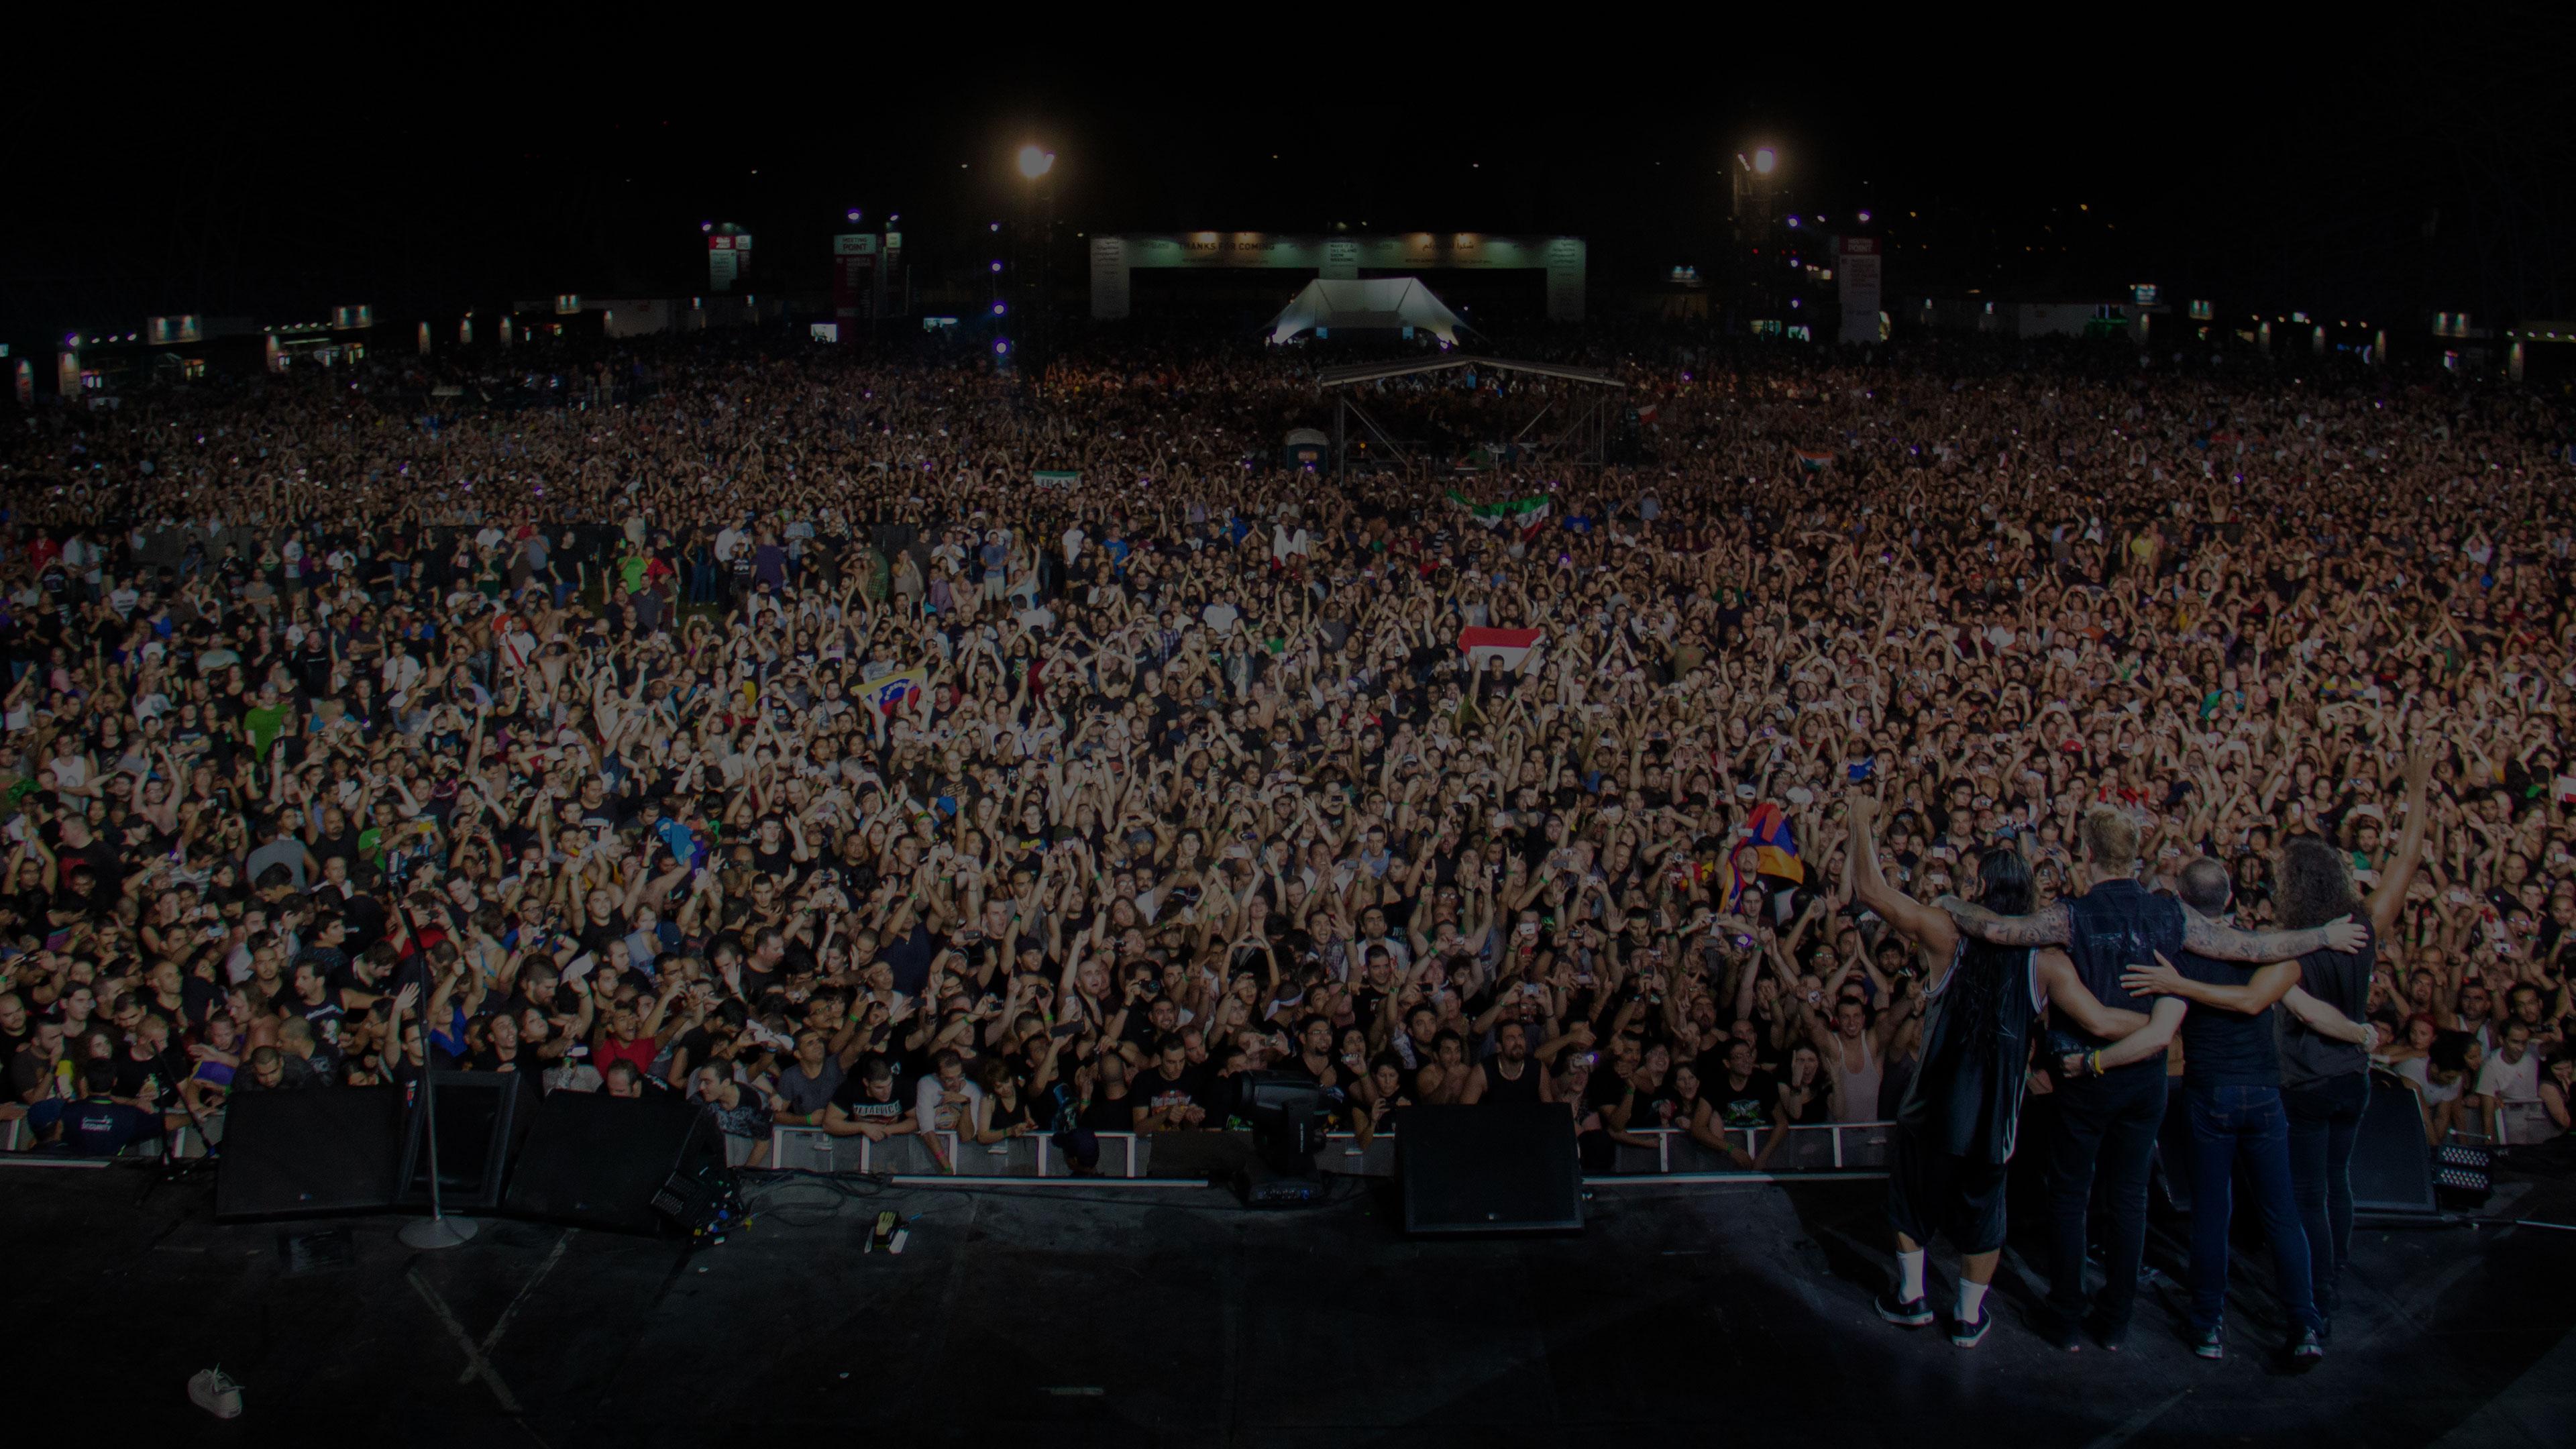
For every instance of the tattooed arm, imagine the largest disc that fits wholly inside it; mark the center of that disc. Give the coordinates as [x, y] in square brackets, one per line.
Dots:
[2049, 926]
[2226, 943]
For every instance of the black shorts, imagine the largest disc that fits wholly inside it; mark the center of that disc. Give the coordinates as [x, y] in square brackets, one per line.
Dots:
[1932, 1193]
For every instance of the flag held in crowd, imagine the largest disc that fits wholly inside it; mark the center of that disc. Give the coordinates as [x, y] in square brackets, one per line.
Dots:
[1523, 514]
[893, 693]
[1775, 846]
[1499, 648]
[1812, 459]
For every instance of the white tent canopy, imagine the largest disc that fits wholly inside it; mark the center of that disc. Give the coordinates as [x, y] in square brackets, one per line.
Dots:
[1384, 302]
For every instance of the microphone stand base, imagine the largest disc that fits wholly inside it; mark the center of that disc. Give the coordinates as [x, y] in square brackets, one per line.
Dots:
[425, 1234]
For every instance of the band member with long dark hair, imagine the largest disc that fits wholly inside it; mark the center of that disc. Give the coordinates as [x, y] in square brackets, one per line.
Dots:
[1957, 1124]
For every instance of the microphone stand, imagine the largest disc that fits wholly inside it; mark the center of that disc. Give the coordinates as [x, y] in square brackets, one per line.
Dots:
[438, 1230]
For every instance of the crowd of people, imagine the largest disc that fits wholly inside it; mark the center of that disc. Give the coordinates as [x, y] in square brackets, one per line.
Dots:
[890, 746]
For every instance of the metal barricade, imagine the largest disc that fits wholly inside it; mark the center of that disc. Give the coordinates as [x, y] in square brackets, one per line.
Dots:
[2520, 1124]
[1822, 1149]
[811, 1149]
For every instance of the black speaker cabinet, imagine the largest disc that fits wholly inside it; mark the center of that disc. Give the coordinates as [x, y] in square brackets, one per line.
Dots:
[482, 1116]
[2392, 1169]
[1489, 1169]
[312, 1153]
[595, 1161]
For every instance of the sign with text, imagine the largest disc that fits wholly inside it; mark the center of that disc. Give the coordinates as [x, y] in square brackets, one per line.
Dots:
[728, 259]
[1857, 276]
[1109, 267]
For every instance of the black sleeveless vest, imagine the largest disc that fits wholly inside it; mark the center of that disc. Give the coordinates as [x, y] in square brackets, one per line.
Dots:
[2118, 925]
[1965, 1098]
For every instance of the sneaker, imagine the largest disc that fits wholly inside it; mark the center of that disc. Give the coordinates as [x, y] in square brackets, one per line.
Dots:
[2307, 1350]
[214, 1391]
[1969, 1335]
[2207, 1342]
[1907, 1313]
[2062, 1335]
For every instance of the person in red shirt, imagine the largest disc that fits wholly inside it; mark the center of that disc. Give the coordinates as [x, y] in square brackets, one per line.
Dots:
[633, 1038]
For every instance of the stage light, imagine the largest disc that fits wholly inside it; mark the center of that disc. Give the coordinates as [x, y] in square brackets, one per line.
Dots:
[997, 309]
[1864, 218]
[706, 226]
[1035, 163]
[1793, 222]
[1002, 347]
[1765, 161]
[997, 226]
[854, 213]
[997, 266]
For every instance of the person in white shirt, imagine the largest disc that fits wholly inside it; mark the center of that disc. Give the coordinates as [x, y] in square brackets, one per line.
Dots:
[2512, 1073]
[946, 1101]
[1288, 541]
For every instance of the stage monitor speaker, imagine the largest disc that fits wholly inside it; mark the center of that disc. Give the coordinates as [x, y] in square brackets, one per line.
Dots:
[596, 1161]
[482, 1117]
[308, 1153]
[1489, 1169]
[2392, 1169]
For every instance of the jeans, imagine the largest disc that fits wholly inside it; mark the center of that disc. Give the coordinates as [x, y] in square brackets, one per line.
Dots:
[2229, 1124]
[2325, 1117]
[2114, 1119]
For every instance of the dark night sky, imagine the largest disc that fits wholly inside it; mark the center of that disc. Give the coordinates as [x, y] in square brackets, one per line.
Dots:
[2277, 170]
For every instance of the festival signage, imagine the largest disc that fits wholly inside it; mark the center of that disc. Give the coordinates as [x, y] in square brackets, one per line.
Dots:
[728, 259]
[1857, 275]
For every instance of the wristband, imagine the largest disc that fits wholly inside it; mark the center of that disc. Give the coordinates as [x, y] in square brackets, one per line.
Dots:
[2093, 1062]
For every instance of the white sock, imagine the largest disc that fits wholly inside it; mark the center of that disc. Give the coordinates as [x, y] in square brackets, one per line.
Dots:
[1909, 1272]
[1972, 1295]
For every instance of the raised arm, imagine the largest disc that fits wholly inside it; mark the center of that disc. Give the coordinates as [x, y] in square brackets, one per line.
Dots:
[1926, 927]
[2391, 894]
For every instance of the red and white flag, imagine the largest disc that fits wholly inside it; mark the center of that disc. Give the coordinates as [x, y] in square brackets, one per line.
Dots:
[1499, 648]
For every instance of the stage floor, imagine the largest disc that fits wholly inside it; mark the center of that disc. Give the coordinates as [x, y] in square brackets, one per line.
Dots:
[1176, 1317]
